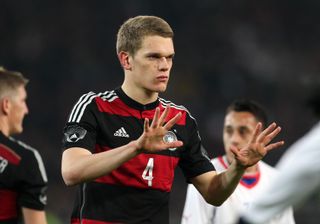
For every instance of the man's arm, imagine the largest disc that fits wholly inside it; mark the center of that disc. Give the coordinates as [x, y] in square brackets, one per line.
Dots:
[216, 188]
[32, 216]
[80, 165]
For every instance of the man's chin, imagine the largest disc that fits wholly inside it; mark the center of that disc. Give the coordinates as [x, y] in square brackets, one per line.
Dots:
[161, 89]
[17, 131]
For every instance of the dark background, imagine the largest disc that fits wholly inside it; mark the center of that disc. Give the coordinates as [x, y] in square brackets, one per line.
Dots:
[266, 50]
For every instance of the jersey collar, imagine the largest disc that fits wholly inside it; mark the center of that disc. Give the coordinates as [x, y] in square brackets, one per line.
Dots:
[134, 104]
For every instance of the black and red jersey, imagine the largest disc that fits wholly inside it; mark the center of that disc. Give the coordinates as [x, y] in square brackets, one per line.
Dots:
[138, 191]
[23, 179]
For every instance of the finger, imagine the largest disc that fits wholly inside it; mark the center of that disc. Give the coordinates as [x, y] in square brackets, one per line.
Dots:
[172, 121]
[271, 136]
[155, 120]
[266, 131]
[256, 132]
[274, 145]
[146, 125]
[164, 115]
[235, 150]
[174, 144]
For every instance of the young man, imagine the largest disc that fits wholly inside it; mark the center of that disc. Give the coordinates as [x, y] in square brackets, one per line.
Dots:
[241, 118]
[23, 179]
[298, 177]
[122, 146]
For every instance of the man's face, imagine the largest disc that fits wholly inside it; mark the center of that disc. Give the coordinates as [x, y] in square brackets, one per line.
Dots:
[238, 130]
[17, 110]
[151, 64]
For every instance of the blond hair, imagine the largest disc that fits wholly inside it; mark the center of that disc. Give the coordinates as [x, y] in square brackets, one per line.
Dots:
[10, 81]
[132, 32]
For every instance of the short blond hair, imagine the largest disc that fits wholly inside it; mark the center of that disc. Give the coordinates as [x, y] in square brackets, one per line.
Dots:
[132, 32]
[10, 81]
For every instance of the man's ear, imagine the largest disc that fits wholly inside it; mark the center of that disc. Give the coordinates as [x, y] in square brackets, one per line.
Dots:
[124, 60]
[5, 105]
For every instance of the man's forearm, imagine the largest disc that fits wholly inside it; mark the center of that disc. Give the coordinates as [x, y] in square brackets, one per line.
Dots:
[223, 184]
[79, 165]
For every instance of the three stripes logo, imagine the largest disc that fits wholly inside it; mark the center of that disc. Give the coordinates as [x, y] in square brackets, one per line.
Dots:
[121, 133]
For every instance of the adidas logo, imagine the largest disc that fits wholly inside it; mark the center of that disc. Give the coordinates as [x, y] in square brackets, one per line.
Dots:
[121, 133]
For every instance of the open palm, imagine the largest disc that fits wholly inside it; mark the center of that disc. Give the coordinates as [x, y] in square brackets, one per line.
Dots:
[258, 146]
[151, 139]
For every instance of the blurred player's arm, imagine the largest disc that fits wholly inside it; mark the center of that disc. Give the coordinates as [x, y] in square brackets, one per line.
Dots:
[32, 216]
[298, 175]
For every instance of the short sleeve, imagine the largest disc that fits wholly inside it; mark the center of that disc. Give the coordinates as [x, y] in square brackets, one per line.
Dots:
[33, 185]
[81, 127]
[194, 160]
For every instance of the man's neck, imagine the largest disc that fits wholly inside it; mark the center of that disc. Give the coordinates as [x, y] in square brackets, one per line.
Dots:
[4, 128]
[139, 95]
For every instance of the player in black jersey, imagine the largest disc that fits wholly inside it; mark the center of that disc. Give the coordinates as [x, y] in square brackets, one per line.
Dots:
[23, 179]
[122, 146]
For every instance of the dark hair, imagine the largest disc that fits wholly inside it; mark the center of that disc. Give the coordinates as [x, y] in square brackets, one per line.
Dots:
[244, 105]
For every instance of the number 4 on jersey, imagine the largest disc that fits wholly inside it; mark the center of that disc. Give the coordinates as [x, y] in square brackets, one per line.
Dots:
[147, 173]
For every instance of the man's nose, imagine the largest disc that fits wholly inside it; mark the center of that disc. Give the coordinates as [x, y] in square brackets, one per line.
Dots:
[164, 64]
[235, 139]
[27, 109]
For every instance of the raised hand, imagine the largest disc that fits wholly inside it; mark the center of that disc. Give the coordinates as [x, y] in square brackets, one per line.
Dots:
[258, 146]
[151, 139]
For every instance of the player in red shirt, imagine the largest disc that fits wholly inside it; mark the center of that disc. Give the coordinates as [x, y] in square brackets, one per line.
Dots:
[23, 179]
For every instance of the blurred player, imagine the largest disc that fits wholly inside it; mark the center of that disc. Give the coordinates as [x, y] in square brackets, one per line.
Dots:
[298, 177]
[241, 118]
[23, 179]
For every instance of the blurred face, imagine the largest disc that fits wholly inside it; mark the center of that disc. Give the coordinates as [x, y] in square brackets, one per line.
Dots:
[238, 130]
[17, 110]
[151, 64]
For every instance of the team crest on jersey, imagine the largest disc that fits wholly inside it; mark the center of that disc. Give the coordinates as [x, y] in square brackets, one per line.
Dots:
[74, 133]
[170, 137]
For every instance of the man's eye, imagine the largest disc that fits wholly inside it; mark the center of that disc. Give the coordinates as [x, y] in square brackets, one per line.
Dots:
[244, 132]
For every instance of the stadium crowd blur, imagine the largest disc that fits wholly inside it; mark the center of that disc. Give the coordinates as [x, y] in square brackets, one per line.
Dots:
[265, 50]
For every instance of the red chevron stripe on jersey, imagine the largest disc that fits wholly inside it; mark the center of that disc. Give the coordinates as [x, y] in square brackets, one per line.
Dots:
[8, 206]
[118, 107]
[147, 171]
[9, 154]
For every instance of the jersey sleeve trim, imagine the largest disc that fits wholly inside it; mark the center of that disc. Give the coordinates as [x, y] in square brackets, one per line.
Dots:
[38, 158]
[79, 108]
[179, 107]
